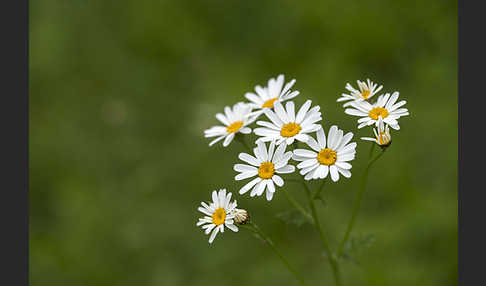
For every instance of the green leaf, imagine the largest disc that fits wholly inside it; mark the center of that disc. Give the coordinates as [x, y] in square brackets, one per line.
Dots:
[294, 217]
[355, 245]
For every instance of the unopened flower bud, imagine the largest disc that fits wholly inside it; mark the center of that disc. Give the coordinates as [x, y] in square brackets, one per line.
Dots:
[241, 216]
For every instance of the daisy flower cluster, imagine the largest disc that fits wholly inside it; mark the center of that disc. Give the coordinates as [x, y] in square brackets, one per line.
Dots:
[381, 114]
[285, 140]
[276, 154]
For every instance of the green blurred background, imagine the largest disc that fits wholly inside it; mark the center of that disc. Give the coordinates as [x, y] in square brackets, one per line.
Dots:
[121, 92]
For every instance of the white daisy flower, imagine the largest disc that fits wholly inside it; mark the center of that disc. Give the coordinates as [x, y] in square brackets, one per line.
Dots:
[265, 167]
[266, 97]
[332, 159]
[382, 134]
[219, 213]
[385, 106]
[365, 92]
[235, 120]
[285, 126]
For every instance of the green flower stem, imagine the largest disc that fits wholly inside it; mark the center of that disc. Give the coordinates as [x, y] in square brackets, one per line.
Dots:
[330, 256]
[371, 150]
[296, 204]
[357, 204]
[254, 228]
[318, 192]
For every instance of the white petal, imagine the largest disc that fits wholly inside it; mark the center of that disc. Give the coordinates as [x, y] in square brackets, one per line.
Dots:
[311, 142]
[246, 175]
[283, 160]
[345, 140]
[271, 150]
[345, 173]
[208, 228]
[214, 196]
[213, 234]
[204, 211]
[290, 108]
[270, 194]
[307, 163]
[302, 111]
[232, 227]
[270, 186]
[311, 174]
[245, 130]
[249, 185]
[324, 171]
[216, 140]
[355, 112]
[302, 137]
[334, 173]
[305, 153]
[269, 125]
[332, 136]
[249, 159]
[279, 153]
[285, 169]
[280, 111]
[243, 168]
[255, 188]
[343, 165]
[273, 117]
[228, 139]
[222, 119]
[261, 188]
[278, 180]
[321, 138]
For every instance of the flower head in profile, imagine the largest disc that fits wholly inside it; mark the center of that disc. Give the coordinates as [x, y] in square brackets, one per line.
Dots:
[286, 126]
[219, 213]
[385, 107]
[266, 97]
[235, 121]
[264, 167]
[382, 134]
[327, 157]
[365, 92]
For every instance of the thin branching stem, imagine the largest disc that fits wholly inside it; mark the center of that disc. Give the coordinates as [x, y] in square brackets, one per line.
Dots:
[318, 192]
[357, 204]
[254, 228]
[296, 204]
[329, 254]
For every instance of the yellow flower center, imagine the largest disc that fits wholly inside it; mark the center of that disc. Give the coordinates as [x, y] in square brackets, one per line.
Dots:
[327, 156]
[269, 103]
[365, 94]
[266, 170]
[235, 126]
[377, 111]
[290, 129]
[219, 216]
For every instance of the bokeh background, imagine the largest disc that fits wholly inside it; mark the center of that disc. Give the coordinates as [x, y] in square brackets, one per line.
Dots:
[121, 92]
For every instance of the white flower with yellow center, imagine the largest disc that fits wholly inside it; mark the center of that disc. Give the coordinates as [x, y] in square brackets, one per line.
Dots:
[365, 92]
[266, 97]
[235, 120]
[382, 134]
[219, 213]
[285, 125]
[328, 157]
[265, 167]
[385, 107]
